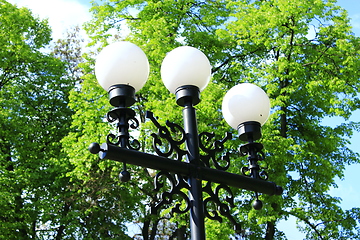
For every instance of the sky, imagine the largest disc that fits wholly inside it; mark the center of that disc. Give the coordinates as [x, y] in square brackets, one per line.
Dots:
[63, 14]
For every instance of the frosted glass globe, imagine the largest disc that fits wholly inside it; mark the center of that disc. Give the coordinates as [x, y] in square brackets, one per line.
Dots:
[185, 66]
[122, 63]
[245, 102]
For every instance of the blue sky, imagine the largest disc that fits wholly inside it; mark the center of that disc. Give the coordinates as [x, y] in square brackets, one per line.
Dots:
[349, 189]
[63, 14]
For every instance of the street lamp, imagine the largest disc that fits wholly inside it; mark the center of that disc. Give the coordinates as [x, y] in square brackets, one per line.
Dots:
[122, 69]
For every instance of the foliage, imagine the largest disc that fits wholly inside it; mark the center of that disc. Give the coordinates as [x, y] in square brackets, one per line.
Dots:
[302, 53]
[34, 118]
[69, 51]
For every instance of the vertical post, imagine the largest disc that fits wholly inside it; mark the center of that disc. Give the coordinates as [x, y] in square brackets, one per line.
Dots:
[123, 128]
[197, 224]
[122, 97]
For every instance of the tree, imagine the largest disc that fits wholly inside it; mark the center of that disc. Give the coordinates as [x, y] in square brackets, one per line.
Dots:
[303, 54]
[69, 51]
[34, 94]
[308, 78]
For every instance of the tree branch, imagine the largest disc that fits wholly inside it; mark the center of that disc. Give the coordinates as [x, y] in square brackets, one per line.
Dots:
[312, 226]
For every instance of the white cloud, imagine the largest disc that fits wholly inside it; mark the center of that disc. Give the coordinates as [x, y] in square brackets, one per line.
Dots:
[62, 14]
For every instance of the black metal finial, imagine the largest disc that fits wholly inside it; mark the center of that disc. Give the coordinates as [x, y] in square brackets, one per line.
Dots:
[124, 176]
[94, 148]
[257, 204]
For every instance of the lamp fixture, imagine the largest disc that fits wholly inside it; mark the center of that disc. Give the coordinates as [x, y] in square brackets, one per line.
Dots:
[122, 69]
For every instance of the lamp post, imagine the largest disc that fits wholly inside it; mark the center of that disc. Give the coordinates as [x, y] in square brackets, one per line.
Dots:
[122, 69]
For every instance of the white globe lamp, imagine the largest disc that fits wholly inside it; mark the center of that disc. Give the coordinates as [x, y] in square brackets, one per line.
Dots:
[121, 66]
[246, 105]
[185, 70]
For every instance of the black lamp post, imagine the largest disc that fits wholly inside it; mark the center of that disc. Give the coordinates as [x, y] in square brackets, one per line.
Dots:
[122, 69]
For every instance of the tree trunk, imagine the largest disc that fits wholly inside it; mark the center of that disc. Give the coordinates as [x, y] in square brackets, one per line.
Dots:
[270, 231]
[61, 229]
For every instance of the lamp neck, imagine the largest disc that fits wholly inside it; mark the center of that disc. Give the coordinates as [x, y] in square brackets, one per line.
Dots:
[187, 95]
[121, 95]
[249, 131]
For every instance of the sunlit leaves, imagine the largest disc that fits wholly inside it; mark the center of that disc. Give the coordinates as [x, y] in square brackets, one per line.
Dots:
[302, 53]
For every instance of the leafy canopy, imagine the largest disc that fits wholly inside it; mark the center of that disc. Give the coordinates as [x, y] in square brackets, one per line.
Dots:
[302, 53]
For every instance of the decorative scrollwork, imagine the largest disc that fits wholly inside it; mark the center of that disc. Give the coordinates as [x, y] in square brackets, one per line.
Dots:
[124, 119]
[211, 147]
[133, 144]
[171, 185]
[219, 202]
[167, 142]
[255, 154]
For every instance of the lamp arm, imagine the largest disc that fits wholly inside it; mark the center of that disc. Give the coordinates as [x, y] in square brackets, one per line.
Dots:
[112, 152]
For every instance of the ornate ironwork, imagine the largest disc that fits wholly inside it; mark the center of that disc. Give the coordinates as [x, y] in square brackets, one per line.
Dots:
[255, 154]
[167, 143]
[211, 147]
[219, 202]
[164, 144]
[171, 184]
[124, 118]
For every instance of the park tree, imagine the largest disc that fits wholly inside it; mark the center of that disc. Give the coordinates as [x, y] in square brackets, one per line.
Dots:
[34, 117]
[303, 54]
[69, 50]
